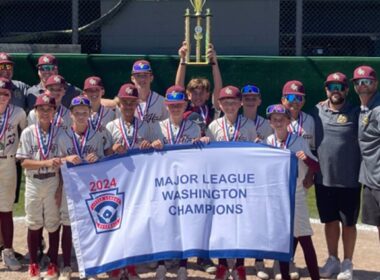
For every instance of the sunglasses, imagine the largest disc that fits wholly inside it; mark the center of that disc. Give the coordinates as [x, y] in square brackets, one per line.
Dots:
[175, 96]
[277, 108]
[4, 94]
[250, 89]
[294, 98]
[6, 66]
[141, 67]
[336, 87]
[46, 67]
[80, 101]
[361, 82]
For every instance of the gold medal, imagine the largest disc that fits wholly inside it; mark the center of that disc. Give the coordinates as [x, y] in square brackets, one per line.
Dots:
[342, 119]
[365, 120]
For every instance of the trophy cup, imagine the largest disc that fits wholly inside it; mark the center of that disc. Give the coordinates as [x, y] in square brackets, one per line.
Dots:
[198, 32]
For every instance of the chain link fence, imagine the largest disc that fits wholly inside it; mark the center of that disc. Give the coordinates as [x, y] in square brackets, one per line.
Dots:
[330, 27]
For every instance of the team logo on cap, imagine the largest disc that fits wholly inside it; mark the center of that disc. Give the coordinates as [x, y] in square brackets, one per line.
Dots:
[128, 90]
[57, 79]
[336, 77]
[106, 209]
[46, 59]
[3, 56]
[2, 84]
[45, 99]
[294, 87]
[92, 82]
[228, 91]
[361, 72]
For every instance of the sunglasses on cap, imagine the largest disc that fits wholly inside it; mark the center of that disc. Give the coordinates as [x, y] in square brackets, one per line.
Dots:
[277, 108]
[175, 96]
[141, 67]
[46, 67]
[336, 86]
[361, 82]
[294, 98]
[6, 66]
[80, 101]
[250, 89]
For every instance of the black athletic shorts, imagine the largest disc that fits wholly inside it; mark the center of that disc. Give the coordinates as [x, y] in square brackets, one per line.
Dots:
[371, 206]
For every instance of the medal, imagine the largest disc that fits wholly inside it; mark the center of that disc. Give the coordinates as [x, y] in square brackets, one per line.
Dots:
[365, 120]
[4, 124]
[297, 129]
[170, 134]
[281, 145]
[80, 147]
[140, 113]
[96, 119]
[44, 146]
[204, 114]
[235, 131]
[124, 134]
[341, 119]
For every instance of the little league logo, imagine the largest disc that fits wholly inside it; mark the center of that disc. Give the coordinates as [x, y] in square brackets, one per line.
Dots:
[106, 209]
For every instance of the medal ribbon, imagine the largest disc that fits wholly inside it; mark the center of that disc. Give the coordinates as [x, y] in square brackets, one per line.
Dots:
[235, 136]
[276, 144]
[140, 112]
[58, 117]
[79, 147]
[44, 147]
[297, 129]
[258, 123]
[179, 134]
[124, 133]
[4, 125]
[96, 120]
[204, 114]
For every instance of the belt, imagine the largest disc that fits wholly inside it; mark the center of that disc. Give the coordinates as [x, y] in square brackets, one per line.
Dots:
[8, 156]
[44, 176]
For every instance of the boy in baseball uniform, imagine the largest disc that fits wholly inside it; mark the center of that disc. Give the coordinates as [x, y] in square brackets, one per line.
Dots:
[39, 155]
[12, 118]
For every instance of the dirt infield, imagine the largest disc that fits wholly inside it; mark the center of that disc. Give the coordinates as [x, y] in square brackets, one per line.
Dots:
[366, 258]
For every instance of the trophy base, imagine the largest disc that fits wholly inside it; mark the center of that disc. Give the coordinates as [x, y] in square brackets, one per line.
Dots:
[198, 63]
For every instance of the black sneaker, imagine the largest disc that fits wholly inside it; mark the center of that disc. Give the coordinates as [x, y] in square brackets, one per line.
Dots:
[207, 265]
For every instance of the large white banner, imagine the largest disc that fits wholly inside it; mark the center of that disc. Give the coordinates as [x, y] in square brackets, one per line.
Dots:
[222, 200]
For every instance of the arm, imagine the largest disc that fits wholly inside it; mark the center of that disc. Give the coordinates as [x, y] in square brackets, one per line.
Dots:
[217, 77]
[181, 71]
[33, 164]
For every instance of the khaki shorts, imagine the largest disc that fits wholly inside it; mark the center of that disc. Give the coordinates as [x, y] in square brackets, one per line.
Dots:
[7, 184]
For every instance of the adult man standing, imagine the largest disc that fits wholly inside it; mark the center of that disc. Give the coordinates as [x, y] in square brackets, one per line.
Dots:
[47, 66]
[337, 184]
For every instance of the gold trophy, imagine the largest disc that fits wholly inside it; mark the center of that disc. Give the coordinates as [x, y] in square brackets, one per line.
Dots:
[198, 32]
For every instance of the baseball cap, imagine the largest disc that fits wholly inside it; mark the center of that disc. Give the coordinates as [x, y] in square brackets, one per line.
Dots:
[364, 72]
[5, 84]
[44, 99]
[293, 87]
[175, 94]
[250, 89]
[5, 58]
[141, 66]
[80, 100]
[336, 77]
[229, 92]
[47, 59]
[93, 82]
[128, 91]
[278, 109]
[55, 80]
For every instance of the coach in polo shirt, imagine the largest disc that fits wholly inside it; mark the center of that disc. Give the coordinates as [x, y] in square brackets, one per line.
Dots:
[366, 86]
[337, 185]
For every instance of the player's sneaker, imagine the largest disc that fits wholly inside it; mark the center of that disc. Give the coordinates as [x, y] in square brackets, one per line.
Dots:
[276, 270]
[34, 272]
[207, 265]
[345, 270]
[65, 273]
[221, 273]
[131, 272]
[161, 272]
[182, 273]
[92, 278]
[239, 273]
[10, 260]
[331, 267]
[293, 271]
[52, 272]
[261, 271]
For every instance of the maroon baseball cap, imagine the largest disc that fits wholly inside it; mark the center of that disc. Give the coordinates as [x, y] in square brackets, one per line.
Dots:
[44, 99]
[175, 94]
[128, 91]
[5, 58]
[5, 84]
[47, 59]
[293, 87]
[229, 92]
[141, 66]
[55, 80]
[336, 77]
[93, 82]
[364, 72]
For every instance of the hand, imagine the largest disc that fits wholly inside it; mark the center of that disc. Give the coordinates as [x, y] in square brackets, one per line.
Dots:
[203, 139]
[145, 144]
[92, 157]
[183, 50]
[301, 155]
[258, 139]
[157, 144]
[54, 163]
[119, 148]
[211, 54]
[74, 159]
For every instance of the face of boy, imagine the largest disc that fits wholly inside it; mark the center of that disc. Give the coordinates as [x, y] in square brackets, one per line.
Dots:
[5, 96]
[128, 106]
[198, 97]
[294, 106]
[57, 92]
[80, 114]
[279, 121]
[94, 94]
[176, 110]
[251, 101]
[142, 80]
[230, 106]
[45, 113]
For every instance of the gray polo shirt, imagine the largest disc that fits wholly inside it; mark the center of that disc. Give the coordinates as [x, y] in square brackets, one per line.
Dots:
[19, 91]
[36, 90]
[337, 147]
[369, 141]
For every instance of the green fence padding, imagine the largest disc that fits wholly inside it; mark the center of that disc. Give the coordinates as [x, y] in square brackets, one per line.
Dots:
[269, 73]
